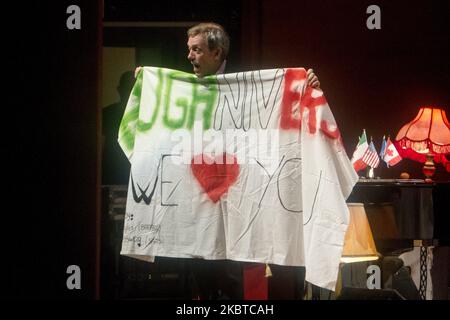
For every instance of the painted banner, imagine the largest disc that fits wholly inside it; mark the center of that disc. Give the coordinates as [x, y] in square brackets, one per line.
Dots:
[246, 166]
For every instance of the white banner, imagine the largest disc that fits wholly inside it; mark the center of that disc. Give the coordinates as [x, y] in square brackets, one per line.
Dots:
[247, 166]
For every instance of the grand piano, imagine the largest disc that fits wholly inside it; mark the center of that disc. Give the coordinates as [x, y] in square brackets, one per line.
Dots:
[403, 210]
[408, 213]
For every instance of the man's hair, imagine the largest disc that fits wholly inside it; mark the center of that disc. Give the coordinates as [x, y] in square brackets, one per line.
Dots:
[215, 36]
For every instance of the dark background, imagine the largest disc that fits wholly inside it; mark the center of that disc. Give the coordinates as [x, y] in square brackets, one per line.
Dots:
[373, 79]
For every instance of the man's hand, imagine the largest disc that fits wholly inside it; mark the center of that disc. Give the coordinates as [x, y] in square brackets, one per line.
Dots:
[136, 71]
[313, 81]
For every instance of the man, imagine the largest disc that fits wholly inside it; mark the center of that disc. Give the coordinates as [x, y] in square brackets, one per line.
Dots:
[208, 45]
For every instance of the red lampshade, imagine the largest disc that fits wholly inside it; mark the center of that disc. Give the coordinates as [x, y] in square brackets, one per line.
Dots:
[427, 134]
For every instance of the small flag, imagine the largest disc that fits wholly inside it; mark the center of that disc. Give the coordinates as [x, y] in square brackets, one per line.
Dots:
[383, 147]
[358, 154]
[371, 157]
[391, 156]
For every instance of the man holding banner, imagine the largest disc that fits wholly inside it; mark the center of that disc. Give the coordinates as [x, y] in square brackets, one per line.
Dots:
[208, 46]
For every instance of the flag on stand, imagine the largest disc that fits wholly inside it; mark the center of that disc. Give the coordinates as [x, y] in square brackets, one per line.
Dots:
[371, 157]
[357, 158]
[390, 155]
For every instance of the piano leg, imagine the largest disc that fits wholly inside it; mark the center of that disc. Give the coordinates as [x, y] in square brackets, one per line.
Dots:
[423, 272]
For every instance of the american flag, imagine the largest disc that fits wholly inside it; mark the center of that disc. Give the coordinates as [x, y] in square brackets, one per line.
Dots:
[371, 157]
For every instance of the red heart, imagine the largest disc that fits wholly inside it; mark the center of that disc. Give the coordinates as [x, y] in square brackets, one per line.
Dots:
[215, 178]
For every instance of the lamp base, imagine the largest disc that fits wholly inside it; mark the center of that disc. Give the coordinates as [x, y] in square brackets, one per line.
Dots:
[429, 168]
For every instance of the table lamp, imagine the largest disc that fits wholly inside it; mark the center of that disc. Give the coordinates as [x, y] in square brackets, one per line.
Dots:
[426, 139]
[358, 244]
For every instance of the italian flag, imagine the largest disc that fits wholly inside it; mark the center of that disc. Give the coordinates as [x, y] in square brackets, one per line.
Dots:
[357, 159]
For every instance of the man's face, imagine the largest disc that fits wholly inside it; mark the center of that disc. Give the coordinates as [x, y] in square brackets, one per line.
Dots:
[206, 62]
